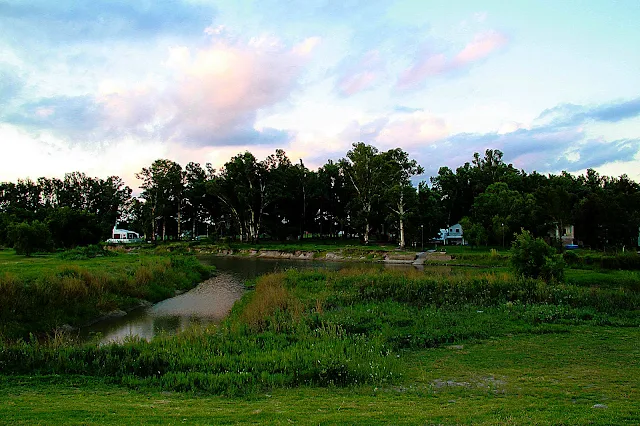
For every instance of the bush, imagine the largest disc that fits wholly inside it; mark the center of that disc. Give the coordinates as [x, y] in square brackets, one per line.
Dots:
[88, 252]
[28, 238]
[571, 258]
[533, 258]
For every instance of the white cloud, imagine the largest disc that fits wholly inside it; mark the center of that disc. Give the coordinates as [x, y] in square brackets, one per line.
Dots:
[26, 156]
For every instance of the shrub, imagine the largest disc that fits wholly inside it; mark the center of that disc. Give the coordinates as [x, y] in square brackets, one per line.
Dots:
[533, 258]
[571, 258]
[88, 252]
[28, 238]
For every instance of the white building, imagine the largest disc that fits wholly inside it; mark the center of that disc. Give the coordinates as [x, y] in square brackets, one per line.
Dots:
[124, 236]
[452, 235]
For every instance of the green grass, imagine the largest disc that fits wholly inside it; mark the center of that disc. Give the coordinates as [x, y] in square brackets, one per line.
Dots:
[603, 278]
[41, 293]
[521, 379]
[333, 329]
[359, 345]
[30, 268]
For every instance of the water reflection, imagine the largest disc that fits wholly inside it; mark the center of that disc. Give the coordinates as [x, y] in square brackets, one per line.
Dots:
[209, 302]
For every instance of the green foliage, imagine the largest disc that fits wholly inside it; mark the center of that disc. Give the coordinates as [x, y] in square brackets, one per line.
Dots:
[71, 228]
[532, 257]
[629, 260]
[88, 252]
[474, 233]
[368, 194]
[28, 238]
[163, 191]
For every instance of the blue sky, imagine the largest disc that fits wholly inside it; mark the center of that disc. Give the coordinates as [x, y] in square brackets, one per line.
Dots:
[108, 86]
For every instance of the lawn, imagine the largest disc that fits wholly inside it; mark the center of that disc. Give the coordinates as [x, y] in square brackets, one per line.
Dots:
[519, 379]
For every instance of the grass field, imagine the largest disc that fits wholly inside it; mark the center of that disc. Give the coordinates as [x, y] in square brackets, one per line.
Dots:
[521, 379]
[31, 268]
[359, 345]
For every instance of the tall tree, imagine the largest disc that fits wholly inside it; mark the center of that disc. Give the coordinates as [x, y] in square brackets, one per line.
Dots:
[364, 169]
[163, 187]
[241, 185]
[399, 170]
[197, 203]
[502, 210]
[332, 194]
[431, 212]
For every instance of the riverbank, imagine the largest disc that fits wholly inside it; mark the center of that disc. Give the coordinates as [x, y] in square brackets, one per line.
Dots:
[483, 257]
[449, 255]
[48, 293]
[358, 345]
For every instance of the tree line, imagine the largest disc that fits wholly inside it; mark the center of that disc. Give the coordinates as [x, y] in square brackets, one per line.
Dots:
[369, 194]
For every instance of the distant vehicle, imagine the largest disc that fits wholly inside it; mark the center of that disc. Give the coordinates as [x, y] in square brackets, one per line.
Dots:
[124, 236]
[571, 246]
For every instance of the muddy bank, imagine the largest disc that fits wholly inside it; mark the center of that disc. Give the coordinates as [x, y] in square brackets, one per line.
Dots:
[341, 255]
[333, 256]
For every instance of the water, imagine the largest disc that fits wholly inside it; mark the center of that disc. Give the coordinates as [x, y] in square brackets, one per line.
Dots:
[208, 303]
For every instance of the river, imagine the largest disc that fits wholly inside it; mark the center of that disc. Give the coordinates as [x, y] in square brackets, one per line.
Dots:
[208, 303]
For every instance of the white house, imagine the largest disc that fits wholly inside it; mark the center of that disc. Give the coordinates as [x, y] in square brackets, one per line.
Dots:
[566, 234]
[124, 236]
[452, 235]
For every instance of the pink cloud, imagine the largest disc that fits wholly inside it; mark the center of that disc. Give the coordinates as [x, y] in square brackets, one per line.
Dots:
[412, 130]
[482, 46]
[350, 85]
[418, 129]
[44, 112]
[430, 64]
[214, 94]
[362, 75]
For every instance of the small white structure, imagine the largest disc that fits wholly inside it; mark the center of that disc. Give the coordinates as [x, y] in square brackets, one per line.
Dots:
[566, 234]
[451, 235]
[124, 236]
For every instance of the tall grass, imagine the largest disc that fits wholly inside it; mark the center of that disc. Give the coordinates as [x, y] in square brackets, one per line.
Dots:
[629, 260]
[341, 328]
[73, 294]
[271, 299]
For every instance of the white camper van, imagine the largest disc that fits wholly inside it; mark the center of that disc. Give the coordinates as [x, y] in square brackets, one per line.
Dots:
[124, 236]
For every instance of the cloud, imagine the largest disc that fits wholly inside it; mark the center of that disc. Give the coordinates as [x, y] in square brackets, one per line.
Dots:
[69, 21]
[211, 98]
[595, 153]
[405, 109]
[76, 115]
[557, 141]
[10, 85]
[571, 114]
[360, 74]
[545, 147]
[46, 155]
[481, 47]
[412, 131]
[430, 64]
[415, 130]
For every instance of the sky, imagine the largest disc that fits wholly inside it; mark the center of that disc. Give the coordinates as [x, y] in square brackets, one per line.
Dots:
[108, 86]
